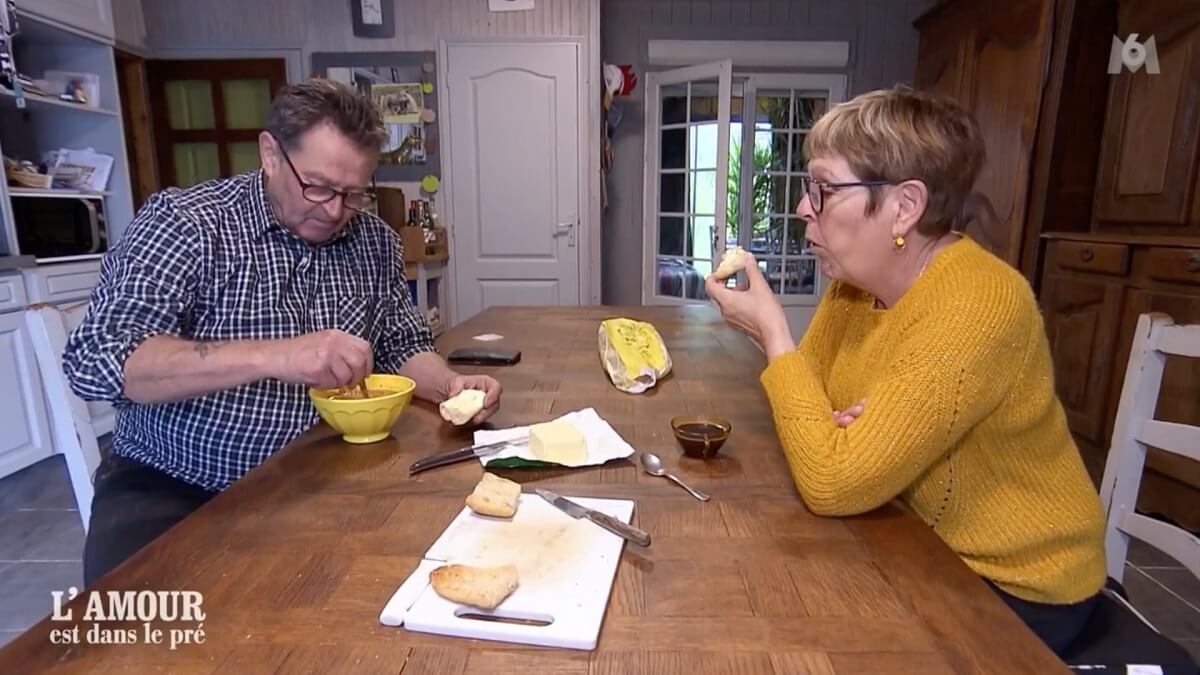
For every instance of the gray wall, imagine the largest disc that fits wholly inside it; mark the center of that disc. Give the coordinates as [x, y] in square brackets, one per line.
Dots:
[295, 29]
[324, 25]
[883, 48]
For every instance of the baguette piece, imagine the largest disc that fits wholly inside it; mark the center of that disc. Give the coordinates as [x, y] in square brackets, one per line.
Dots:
[463, 407]
[735, 260]
[483, 587]
[495, 496]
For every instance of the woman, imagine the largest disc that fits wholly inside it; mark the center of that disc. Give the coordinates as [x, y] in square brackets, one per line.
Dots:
[926, 372]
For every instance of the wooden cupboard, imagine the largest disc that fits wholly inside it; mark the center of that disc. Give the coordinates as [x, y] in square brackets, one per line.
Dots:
[1096, 181]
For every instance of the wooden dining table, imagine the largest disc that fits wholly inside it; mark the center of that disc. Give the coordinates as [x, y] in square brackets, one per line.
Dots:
[296, 560]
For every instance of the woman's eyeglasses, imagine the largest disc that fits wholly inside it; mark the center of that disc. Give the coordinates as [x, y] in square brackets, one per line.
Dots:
[815, 189]
[321, 194]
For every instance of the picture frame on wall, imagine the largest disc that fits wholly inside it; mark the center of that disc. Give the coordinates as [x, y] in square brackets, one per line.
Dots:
[400, 84]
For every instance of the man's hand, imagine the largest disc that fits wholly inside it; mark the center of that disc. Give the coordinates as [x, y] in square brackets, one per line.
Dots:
[485, 383]
[324, 360]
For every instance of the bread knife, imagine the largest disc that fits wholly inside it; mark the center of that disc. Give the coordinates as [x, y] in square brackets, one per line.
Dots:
[623, 530]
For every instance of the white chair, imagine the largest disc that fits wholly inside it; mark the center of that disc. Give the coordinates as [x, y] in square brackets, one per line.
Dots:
[73, 430]
[1135, 430]
[1117, 635]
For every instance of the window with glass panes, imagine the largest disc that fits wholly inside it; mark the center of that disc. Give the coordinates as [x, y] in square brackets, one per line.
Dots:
[769, 117]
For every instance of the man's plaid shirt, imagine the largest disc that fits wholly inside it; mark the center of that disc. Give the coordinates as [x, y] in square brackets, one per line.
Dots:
[211, 263]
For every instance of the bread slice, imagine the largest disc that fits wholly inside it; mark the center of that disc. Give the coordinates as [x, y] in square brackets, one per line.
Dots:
[463, 407]
[735, 260]
[483, 587]
[495, 496]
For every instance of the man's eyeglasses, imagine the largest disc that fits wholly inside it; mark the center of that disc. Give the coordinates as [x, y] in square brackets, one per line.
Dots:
[321, 194]
[816, 189]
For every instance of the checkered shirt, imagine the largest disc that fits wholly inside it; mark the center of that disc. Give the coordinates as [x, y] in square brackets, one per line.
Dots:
[211, 263]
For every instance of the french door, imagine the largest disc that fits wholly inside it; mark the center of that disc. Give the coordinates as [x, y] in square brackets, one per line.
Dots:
[724, 162]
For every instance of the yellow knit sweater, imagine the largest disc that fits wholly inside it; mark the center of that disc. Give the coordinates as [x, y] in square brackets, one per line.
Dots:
[961, 422]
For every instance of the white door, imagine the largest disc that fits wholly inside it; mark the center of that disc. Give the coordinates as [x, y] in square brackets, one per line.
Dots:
[24, 433]
[687, 174]
[514, 176]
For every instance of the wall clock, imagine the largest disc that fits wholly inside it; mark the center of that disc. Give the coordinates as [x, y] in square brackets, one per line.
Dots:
[373, 18]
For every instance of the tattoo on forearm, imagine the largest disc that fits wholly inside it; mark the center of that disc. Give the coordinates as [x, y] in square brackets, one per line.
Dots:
[206, 348]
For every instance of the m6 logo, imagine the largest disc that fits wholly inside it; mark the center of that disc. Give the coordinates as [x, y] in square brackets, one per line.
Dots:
[1133, 55]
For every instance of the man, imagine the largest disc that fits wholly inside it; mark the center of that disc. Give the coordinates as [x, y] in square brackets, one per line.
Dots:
[223, 303]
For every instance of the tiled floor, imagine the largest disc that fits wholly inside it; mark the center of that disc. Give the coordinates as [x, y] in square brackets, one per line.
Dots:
[41, 543]
[41, 550]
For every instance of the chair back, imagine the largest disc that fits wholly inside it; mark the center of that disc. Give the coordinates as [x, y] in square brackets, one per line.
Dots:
[71, 422]
[1134, 433]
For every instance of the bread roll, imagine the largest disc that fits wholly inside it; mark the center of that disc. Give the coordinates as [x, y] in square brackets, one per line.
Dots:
[462, 408]
[735, 260]
[483, 587]
[495, 496]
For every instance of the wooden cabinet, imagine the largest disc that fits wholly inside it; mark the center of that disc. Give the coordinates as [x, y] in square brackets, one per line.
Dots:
[1094, 288]
[26, 434]
[1082, 313]
[1148, 164]
[992, 59]
[90, 16]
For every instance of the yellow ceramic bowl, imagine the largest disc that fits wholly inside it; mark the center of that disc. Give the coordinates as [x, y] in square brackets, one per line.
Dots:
[365, 420]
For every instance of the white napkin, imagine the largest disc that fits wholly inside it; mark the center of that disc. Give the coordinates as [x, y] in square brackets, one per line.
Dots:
[603, 442]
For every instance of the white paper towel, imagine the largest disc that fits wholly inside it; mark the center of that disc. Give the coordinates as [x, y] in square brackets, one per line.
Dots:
[604, 444]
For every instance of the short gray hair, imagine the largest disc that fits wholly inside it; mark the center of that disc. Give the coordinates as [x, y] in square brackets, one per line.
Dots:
[300, 107]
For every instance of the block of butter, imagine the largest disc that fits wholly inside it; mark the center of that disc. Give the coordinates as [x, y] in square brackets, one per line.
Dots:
[460, 409]
[558, 442]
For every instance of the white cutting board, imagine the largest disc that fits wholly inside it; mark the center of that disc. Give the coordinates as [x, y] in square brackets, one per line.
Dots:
[565, 572]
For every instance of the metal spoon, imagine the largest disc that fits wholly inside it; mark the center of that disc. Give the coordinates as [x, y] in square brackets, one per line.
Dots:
[653, 466]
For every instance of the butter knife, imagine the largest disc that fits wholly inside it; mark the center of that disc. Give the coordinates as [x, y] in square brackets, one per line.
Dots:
[469, 452]
[623, 530]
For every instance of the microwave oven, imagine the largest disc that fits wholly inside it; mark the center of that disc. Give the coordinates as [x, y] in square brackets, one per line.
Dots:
[60, 227]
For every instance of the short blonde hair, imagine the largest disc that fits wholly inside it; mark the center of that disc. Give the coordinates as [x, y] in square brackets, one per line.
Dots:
[902, 134]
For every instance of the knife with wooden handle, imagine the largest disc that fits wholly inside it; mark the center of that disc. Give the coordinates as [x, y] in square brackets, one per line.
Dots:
[621, 529]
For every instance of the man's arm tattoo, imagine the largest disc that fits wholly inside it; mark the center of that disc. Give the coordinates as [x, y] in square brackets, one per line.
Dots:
[206, 348]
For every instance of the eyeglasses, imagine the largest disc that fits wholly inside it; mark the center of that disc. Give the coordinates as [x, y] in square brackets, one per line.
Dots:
[321, 194]
[816, 189]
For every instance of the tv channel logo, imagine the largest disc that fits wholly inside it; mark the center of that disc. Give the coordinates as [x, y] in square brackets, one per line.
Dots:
[1133, 55]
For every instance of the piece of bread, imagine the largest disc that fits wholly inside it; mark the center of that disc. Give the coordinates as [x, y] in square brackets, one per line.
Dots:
[462, 408]
[483, 587]
[735, 260]
[495, 496]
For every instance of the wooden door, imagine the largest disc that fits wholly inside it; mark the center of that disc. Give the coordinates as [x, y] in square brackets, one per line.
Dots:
[1003, 89]
[993, 60]
[139, 130]
[1148, 158]
[1081, 315]
[208, 115]
[941, 61]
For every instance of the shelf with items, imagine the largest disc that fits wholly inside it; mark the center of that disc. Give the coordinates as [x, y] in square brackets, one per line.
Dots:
[46, 125]
[54, 192]
[427, 286]
[8, 98]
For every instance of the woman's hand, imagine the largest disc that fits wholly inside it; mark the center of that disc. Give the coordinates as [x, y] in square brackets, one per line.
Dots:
[843, 418]
[753, 309]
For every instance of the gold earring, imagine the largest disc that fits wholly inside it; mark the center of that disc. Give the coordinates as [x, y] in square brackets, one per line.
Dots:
[900, 243]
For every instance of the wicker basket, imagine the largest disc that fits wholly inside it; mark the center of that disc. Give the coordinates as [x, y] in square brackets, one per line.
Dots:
[28, 179]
